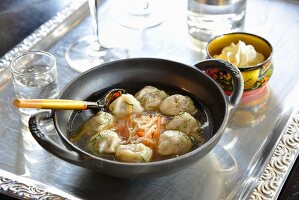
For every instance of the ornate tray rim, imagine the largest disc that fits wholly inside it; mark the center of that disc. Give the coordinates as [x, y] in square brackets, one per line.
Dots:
[282, 159]
[21, 187]
[268, 186]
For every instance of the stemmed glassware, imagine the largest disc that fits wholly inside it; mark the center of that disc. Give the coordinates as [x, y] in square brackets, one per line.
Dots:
[139, 14]
[88, 51]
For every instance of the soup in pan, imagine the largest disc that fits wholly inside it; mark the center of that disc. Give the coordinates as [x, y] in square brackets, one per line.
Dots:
[148, 126]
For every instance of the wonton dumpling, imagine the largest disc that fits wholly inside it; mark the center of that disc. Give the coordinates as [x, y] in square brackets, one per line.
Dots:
[125, 105]
[101, 121]
[135, 153]
[184, 122]
[150, 97]
[104, 142]
[187, 124]
[173, 143]
[177, 103]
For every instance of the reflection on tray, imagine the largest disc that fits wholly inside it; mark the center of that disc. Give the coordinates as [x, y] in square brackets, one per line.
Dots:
[251, 110]
[226, 161]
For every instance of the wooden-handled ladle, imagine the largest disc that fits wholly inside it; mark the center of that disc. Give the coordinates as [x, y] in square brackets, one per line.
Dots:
[65, 104]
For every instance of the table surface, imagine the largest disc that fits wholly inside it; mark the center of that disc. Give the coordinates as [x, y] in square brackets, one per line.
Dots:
[19, 18]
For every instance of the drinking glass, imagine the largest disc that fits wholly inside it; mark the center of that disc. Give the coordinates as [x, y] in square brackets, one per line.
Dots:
[34, 76]
[207, 19]
[88, 51]
[139, 14]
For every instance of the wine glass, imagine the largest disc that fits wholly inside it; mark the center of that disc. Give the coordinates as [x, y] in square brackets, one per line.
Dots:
[88, 51]
[139, 14]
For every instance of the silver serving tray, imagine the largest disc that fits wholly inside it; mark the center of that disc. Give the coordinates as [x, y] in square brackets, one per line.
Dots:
[251, 161]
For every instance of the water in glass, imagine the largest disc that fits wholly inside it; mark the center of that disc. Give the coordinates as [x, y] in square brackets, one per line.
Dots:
[34, 77]
[209, 18]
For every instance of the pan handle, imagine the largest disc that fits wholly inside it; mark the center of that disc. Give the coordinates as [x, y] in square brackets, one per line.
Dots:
[237, 77]
[50, 145]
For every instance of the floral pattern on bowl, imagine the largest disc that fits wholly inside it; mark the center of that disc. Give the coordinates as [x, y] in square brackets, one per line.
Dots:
[253, 79]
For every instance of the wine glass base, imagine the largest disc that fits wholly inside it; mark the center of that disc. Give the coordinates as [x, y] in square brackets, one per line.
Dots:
[85, 54]
[138, 14]
[139, 22]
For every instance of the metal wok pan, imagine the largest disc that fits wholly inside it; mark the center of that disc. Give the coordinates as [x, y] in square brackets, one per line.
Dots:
[133, 74]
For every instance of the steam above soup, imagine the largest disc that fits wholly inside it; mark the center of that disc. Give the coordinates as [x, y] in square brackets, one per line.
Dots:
[149, 126]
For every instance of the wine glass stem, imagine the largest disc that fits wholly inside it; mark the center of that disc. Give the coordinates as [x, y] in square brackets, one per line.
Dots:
[94, 12]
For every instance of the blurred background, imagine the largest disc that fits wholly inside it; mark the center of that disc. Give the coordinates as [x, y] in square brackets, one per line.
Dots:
[19, 18]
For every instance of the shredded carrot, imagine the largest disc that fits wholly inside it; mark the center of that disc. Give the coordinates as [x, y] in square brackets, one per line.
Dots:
[156, 134]
[149, 143]
[140, 133]
[131, 122]
[146, 128]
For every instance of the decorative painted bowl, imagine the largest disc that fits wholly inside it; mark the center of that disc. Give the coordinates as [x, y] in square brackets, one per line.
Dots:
[255, 77]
